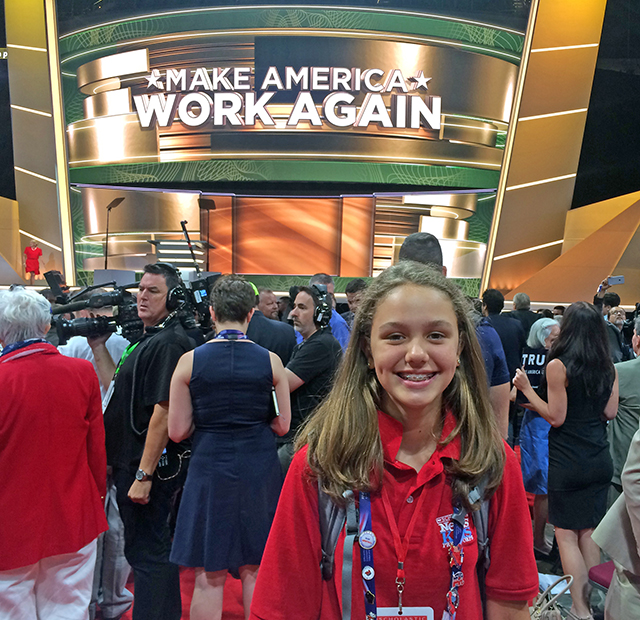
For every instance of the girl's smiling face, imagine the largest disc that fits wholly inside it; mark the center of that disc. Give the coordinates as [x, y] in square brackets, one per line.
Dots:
[414, 347]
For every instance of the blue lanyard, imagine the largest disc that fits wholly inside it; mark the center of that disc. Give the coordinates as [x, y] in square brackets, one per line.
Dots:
[231, 334]
[367, 540]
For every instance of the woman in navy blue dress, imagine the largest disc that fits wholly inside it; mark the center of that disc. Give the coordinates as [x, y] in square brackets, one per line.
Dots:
[221, 393]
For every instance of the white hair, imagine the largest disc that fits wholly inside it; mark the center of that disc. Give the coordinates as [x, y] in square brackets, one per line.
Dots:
[539, 332]
[521, 301]
[24, 315]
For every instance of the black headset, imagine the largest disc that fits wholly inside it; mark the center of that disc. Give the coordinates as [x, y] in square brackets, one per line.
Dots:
[324, 309]
[176, 295]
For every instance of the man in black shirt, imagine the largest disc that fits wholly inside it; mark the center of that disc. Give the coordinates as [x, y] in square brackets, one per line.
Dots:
[313, 363]
[136, 436]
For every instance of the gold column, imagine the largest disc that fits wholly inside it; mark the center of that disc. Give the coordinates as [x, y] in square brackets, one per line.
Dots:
[10, 250]
[62, 172]
[544, 141]
[42, 188]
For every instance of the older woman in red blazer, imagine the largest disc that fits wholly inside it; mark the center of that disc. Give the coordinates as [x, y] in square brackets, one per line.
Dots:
[53, 464]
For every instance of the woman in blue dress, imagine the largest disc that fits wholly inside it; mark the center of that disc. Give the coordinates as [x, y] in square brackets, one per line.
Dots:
[221, 393]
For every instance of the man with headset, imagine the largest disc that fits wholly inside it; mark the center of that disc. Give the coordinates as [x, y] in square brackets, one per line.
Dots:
[136, 436]
[313, 362]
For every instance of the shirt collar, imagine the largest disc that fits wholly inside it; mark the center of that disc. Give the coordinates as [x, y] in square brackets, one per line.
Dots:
[317, 334]
[35, 345]
[391, 436]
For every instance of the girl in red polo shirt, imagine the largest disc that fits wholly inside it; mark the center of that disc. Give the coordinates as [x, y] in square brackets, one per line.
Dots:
[408, 429]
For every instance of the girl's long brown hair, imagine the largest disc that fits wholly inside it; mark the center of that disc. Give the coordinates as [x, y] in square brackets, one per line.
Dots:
[345, 450]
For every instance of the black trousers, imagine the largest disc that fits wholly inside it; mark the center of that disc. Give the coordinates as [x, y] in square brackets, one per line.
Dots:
[147, 546]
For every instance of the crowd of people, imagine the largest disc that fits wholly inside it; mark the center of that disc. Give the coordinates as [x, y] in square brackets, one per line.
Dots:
[355, 465]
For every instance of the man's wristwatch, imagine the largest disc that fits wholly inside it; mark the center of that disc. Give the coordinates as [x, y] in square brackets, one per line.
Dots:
[143, 476]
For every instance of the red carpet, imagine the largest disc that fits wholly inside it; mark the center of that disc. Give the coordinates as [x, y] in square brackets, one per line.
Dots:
[232, 609]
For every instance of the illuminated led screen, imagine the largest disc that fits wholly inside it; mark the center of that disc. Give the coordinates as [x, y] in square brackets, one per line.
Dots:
[310, 100]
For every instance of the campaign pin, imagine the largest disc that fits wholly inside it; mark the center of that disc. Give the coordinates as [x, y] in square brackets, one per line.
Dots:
[367, 539]
[368, 573]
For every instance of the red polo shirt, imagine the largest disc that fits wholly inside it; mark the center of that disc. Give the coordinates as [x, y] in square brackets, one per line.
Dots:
[290, 584]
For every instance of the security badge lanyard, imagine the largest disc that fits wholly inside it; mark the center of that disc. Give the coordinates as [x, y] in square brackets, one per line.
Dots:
[232, 334]
[367, 541]
[456, 556]
[402, 546]
[125, 354]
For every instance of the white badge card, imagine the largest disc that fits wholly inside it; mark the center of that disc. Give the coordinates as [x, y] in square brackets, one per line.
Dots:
[408, 613]
[108, 395]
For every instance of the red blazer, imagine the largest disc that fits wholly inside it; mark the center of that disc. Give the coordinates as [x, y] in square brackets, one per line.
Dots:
[52, 455]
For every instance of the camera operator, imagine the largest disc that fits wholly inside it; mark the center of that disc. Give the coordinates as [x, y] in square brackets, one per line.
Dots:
[79, 347]
[136, 437]
[112, 569]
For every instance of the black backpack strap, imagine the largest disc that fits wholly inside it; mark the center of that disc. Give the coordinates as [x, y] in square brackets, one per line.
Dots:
[347, 561]
[481, 522]
[332, 521]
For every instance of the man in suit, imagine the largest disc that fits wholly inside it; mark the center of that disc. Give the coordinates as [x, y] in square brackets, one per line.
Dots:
[513, 340]
[522, 312]
[275, 336]
[620, 351]
[511, 332]
[618, 535]
[355, 292]
[268, 303]
[623, 427]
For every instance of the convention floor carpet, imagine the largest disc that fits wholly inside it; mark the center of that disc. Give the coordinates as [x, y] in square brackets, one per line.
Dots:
[232, 609]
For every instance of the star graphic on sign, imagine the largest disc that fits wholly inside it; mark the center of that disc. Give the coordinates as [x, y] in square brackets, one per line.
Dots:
[419, 81]
[154, 80]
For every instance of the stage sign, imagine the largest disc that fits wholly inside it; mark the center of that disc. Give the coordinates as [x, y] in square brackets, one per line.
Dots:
[431, 94]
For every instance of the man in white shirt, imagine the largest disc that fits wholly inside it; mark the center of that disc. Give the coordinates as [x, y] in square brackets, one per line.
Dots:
[112, 569]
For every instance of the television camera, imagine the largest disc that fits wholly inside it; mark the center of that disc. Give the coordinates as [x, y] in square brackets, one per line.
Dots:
[193, 312]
